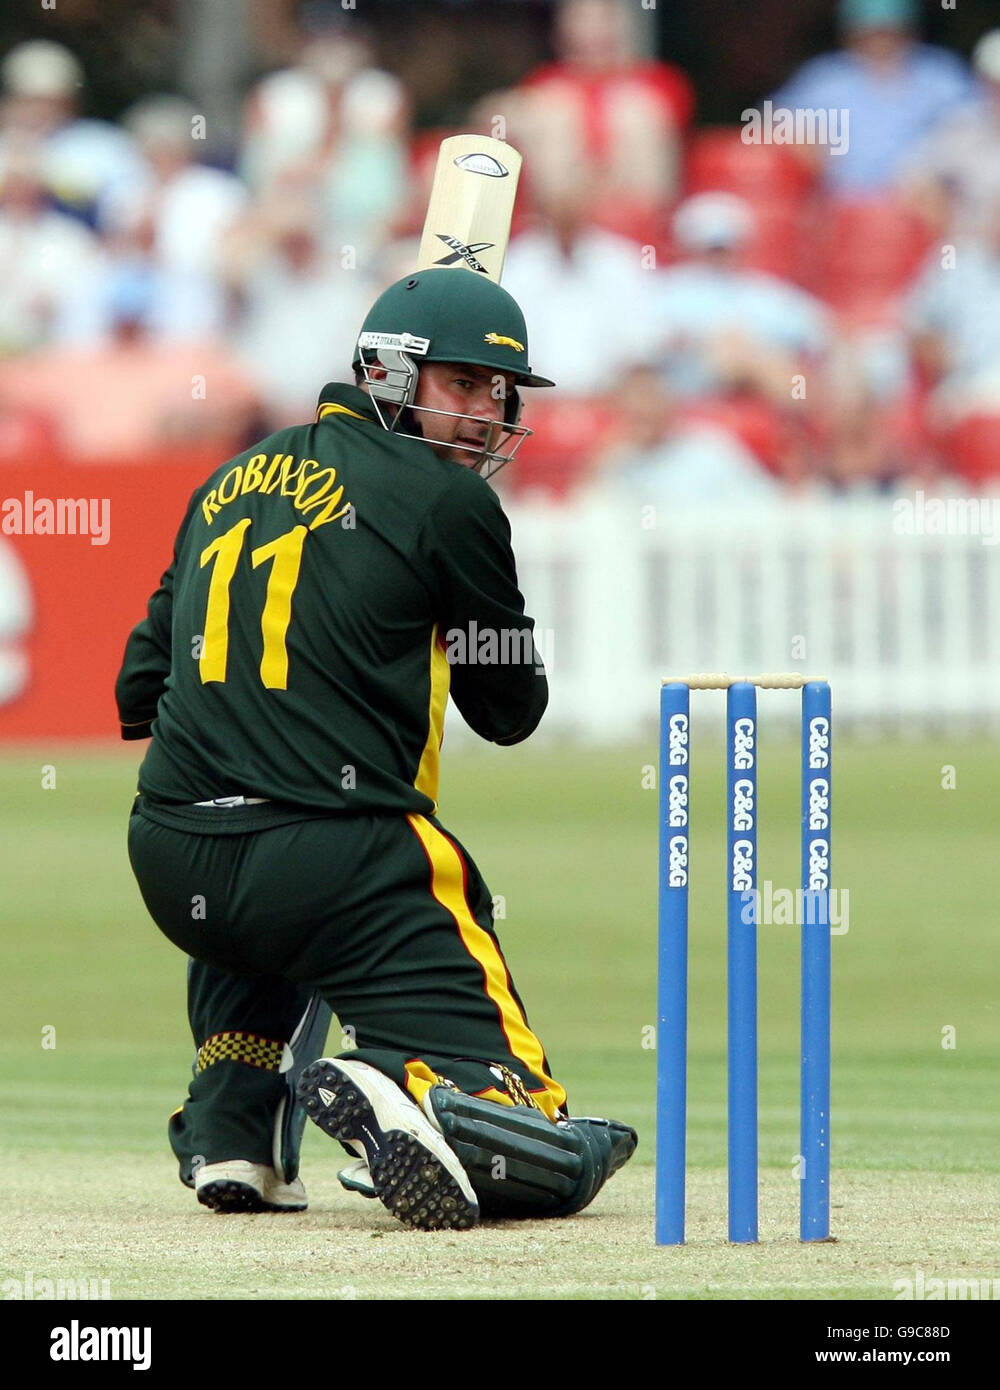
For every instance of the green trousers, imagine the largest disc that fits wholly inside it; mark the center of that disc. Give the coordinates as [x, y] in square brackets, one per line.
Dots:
[385, 921]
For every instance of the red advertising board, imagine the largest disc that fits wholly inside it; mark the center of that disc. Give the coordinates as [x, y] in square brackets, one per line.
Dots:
[86, 596]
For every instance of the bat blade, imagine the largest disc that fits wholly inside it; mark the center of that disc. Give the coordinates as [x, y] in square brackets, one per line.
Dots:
[471, 205]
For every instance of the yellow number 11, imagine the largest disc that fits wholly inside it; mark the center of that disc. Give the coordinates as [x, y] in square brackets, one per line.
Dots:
[286, 552]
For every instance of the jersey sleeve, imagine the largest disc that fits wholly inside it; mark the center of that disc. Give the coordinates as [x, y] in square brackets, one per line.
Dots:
[146, 663]
[497, 676]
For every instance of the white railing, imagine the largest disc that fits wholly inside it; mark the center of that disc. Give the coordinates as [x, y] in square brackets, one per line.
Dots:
[905, 626]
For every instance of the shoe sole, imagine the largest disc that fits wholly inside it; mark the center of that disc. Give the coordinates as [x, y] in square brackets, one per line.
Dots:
[411, 1181]
[228, 1195]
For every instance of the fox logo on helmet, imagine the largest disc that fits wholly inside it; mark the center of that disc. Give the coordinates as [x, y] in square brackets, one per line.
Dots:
[498, 340]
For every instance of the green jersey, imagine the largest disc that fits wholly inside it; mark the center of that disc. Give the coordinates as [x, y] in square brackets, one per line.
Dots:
[328, 588]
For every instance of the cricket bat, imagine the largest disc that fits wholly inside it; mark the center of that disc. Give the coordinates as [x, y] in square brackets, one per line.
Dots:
[471, 205]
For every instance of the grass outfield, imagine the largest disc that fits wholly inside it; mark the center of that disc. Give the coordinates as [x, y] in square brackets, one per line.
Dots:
[568, 839]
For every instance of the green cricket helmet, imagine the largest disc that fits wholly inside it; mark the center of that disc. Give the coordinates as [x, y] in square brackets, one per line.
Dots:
[446, 316]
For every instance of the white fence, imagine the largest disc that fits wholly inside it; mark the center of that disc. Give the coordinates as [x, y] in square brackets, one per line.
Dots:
[905, 625]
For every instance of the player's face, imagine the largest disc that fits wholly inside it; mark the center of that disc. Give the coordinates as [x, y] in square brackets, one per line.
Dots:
[462, 389]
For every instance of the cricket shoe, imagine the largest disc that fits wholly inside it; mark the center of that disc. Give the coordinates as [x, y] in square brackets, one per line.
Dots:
[356, 1178]
[240, 1186]
[414, 1173]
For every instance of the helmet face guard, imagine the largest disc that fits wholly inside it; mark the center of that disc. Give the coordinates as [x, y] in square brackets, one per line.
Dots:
[394, 389]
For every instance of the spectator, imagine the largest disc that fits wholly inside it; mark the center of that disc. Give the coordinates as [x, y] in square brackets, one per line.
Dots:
[722, 327]
[169, 223]
[953, 315]
[872, 441]
[133, 395]
[83, 159]
[46, 258]
[954, 175]
[663, 458]
[603, 112]
[301, 308]
[893, 89]
[583, 289]
[334, 126]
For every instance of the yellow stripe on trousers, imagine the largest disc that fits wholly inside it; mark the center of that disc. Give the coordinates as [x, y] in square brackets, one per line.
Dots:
[420, 1079]
[448, 887]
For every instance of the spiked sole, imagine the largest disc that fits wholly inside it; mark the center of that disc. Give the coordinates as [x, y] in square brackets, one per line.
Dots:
[240, 1186]
[224, 1195]
[411, 1166]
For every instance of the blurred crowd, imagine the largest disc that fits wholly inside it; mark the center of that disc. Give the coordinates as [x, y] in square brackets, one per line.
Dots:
[811, 299]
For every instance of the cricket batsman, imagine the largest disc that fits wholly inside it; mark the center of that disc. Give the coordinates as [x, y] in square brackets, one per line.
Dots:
[292, 671]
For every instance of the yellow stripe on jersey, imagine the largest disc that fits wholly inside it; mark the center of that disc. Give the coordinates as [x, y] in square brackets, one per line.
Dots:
[331, 409]
[448, 887]
[430, 759]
